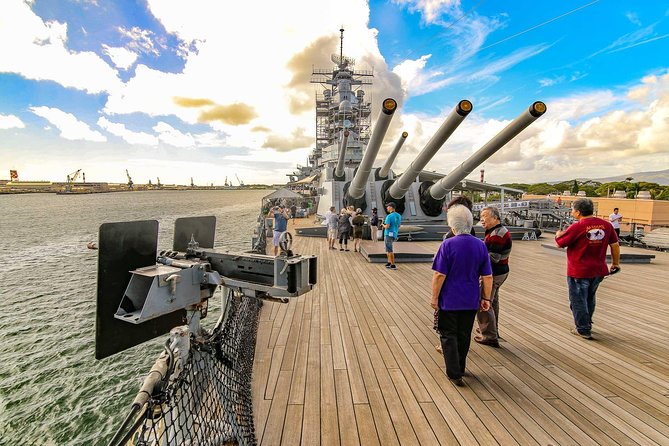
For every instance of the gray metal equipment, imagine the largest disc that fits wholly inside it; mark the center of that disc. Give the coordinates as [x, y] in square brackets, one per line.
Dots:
[141, 296]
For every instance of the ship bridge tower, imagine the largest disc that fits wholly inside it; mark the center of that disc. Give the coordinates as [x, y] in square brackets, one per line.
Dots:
[341, 107]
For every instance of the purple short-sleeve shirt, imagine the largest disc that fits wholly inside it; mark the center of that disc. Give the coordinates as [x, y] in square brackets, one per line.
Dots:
[463, 260]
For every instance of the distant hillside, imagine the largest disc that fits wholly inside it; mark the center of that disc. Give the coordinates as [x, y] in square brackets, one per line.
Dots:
[660, 177]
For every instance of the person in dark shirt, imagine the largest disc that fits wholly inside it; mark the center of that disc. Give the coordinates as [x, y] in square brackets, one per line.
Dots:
[498, 242]
[374, 224]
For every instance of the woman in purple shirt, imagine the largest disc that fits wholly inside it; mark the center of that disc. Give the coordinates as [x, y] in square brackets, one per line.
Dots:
[459, 265]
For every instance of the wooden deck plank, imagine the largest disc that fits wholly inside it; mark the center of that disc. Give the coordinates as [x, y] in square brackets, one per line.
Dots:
[345, 410]
[353, 362]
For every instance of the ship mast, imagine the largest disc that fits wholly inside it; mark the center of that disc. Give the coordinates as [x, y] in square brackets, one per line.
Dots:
[342, 106]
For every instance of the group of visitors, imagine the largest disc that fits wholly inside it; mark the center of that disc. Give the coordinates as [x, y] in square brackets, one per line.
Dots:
[341, 227]
[468, 274]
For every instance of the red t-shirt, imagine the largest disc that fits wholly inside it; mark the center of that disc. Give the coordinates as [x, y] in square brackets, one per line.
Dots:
[586, 242]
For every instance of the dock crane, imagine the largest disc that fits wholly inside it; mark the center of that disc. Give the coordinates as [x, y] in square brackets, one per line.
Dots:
[71, 178]
[130, 183]
[241, 183]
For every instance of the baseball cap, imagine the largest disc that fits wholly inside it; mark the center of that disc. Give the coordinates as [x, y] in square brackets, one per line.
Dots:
[391, 204]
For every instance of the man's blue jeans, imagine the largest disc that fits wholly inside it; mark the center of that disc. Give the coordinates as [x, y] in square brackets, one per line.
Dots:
[582, 301]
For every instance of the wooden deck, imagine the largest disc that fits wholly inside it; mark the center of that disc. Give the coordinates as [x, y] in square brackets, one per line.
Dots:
[353, 361]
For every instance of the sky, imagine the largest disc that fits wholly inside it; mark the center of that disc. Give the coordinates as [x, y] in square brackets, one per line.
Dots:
[210, 89]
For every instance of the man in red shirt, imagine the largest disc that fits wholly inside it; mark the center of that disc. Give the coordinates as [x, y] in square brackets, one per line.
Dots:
[586, 242]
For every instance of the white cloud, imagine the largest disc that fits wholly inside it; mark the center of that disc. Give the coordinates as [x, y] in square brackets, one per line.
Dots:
[140, 40]
[129, 136]
[70, 127]
[38, 50]
[10, 122]
[586, 135]
[173, 137]
[122, 57]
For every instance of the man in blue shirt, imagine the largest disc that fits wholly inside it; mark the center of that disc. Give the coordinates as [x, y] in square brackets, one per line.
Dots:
[280, 225]
[391, 227]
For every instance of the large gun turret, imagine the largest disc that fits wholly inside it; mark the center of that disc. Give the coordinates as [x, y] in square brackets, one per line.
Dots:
[339, 171]
[432, 195]
[354, 192]
[141, 296]
[395, 191]
[382, 173]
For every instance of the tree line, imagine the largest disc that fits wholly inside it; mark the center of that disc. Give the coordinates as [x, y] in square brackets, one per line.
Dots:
[595, 188]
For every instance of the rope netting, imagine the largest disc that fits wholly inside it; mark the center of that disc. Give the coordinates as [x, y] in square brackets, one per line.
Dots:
[208, 400]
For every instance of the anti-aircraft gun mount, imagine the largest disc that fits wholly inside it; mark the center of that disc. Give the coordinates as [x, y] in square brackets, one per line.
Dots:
[141, 296]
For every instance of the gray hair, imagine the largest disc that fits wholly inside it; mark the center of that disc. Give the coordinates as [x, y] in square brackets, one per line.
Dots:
[460, 219]
[493, 211]
[584, 206]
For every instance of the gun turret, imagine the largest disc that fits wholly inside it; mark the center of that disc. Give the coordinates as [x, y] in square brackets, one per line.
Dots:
[382, 173]
[339, 171]
[399, 188]
[141, 297]
[432, 195]
[354, 192]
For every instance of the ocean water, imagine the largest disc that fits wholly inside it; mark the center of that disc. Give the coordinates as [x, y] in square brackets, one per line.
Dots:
[52, 389]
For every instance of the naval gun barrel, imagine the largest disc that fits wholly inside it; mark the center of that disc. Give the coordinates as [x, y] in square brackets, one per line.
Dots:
[439, 189]
[383, 172]
[356, 190]
[454, 119]
[339, 170]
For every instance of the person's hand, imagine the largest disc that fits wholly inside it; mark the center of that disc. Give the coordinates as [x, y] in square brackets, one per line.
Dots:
[484, 305]
[434, 304]
[614, 269]
[559, 233]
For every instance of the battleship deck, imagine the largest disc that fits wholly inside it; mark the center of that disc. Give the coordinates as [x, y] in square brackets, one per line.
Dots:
[353, 362]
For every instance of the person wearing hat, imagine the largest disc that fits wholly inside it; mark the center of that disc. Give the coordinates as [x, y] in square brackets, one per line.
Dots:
[391, 227]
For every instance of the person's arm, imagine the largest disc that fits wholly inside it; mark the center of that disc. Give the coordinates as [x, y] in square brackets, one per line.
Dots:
[487, 292]
[615, 257]
[437, 282]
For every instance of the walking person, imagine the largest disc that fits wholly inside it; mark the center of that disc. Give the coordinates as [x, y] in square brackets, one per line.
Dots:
[461, 263]
[331, 221]
[358, 222]
[498, 242]
[586, 241]
[466, 202]
[615, 220]
[343, 229]
[391, 228]
[280, 225]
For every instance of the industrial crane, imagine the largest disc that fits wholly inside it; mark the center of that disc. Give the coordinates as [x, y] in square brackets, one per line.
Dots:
[241, 183]
[130, 183]
[71, 178]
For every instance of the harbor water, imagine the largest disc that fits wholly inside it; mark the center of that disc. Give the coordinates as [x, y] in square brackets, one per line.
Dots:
[52, 390]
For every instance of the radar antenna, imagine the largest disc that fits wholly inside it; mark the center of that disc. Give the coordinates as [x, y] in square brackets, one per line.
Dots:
[341, 60]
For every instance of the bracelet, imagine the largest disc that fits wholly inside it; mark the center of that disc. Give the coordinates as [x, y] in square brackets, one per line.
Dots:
[488, 300]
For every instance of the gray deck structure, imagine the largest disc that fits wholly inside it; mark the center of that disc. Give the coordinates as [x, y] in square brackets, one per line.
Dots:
[353, 362]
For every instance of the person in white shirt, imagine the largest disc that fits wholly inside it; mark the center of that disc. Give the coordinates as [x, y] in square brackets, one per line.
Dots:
[615, 219]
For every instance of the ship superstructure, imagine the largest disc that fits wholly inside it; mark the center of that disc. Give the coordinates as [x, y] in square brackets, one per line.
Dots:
[342, 106]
